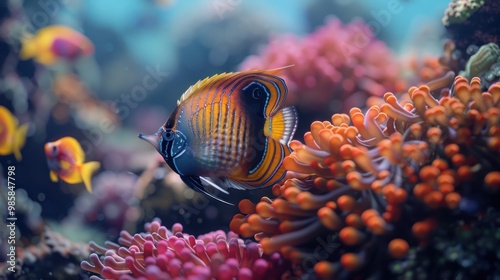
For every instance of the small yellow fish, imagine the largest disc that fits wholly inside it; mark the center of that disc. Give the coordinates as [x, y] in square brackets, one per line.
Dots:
[12, 136]
[55, 42]
[66, 159]
[229, 130]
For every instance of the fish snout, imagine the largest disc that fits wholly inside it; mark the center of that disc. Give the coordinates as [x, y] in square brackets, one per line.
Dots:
[153, 139]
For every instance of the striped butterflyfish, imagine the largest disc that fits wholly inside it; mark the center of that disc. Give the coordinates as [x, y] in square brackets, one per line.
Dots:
[229, 131]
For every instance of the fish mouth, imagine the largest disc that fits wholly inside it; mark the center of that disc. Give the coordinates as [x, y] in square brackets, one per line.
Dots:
[153, 139]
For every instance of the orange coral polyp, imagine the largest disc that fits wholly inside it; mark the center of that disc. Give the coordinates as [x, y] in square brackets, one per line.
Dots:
[351, 261]
[492, 180]
[246, 206]
[325, 270]
[350, 236]
[377, 225]
[329, 218]
[354, 220]
[398, 248]
[346, 203]
[452, 200]
[259, 224]
[429, 173]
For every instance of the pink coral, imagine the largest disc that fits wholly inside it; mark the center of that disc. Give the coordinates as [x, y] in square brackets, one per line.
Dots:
[336, 67]
[163, 254]
[113, 204]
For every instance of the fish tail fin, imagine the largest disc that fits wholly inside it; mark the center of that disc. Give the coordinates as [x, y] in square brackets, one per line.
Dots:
[281, 126]
[269, 170]
[19, 140]
[86, 172]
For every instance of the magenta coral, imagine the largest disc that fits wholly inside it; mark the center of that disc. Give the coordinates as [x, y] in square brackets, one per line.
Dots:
[113, 202]
[337, 65]
[163, 254]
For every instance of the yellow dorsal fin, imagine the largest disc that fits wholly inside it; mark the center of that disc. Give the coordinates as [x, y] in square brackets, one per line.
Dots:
[276, 71]
[202, 84]
[208, 80]
[281, 126]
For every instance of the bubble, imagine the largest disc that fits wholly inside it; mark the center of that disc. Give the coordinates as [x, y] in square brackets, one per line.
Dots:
[211, 212]
[189, 194]
[489, 76]
[41, 197]
[471, 49]
[456, 54]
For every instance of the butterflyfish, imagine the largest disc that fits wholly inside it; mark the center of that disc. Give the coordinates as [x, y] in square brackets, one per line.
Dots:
[229, 131]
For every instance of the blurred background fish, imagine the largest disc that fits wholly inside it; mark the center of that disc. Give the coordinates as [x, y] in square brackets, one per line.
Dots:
[229, 130]
[12, 135]
[54, 43]
[66, 161]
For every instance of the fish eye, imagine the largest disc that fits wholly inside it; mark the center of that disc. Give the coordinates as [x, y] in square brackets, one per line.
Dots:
[54, 150]
[168, 135]
[256, 93]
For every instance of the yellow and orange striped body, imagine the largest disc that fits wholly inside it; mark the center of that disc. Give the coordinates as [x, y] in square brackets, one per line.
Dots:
[230, 127]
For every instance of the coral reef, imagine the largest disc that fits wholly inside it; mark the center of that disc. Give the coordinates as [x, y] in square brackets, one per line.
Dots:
[335, 68]
[113, 204]
[50, 256]
[485, 64]
[163, 254]
[388, 186]
[472, 27]
[460, 10]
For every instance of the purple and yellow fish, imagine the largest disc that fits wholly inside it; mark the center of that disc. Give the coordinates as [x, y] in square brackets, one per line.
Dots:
[53, 43]
[12, 136]
[229, 130]
[66, 161]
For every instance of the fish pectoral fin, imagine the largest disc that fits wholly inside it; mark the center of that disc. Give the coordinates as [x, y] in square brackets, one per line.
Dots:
[53, 177]
[212, 182]
[230, 183]
[196, 184]
[19, 141]
[65, 164]
[86, 172]
[281, 126]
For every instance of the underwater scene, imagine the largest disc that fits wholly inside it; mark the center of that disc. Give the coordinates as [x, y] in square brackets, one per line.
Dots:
[238, 139]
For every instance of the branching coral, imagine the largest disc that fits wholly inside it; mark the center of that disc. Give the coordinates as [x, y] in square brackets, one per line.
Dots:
[460, 10]
[112, 205]
[337, 64]
[163, 254]
[50, 256]
[381, 182]
[476, 25]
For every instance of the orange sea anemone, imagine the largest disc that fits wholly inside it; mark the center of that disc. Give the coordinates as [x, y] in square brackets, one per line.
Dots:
[376, 185]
